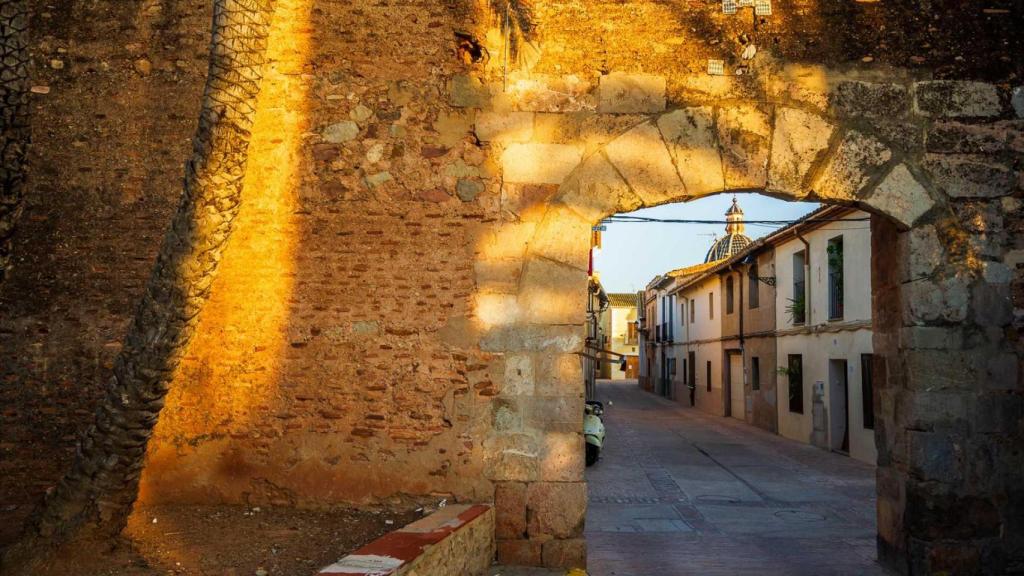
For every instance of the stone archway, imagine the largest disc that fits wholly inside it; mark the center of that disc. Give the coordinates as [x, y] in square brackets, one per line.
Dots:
[933, 282]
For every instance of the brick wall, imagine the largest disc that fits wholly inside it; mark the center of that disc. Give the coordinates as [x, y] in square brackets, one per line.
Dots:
[377, 330]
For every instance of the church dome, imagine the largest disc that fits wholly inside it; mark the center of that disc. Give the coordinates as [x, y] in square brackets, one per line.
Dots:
[734, 240]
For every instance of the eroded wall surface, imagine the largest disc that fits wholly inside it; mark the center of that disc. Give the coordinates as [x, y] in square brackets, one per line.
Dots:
[399, 310]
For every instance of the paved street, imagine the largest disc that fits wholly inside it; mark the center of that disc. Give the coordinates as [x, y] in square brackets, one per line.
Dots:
[680, 492]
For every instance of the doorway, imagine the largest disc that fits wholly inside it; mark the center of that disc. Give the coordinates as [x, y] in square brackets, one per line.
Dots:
[737, 402]
[839, 406]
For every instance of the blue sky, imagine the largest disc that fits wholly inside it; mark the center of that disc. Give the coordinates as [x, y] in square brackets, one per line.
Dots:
[633, 254]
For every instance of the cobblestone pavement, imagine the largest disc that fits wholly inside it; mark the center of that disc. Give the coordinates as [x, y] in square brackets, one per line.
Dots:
[680, 492]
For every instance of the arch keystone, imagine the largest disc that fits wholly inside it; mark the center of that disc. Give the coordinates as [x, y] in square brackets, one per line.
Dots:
[642, 158]
[901, 197]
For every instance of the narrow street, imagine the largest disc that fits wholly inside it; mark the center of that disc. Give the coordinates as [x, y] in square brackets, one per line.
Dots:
[680, 492]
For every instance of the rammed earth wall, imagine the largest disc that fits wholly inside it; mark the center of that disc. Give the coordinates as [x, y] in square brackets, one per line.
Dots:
[400, 308]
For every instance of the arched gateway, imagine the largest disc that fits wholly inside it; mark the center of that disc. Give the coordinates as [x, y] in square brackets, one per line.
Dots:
[940, 292]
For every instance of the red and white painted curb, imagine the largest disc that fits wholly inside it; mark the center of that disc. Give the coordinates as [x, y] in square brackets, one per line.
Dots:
[391, 552]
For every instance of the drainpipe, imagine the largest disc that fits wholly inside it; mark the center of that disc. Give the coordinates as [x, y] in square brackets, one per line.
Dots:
[807, 276]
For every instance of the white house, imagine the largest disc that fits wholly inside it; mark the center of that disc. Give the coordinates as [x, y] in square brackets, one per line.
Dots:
[823, 331]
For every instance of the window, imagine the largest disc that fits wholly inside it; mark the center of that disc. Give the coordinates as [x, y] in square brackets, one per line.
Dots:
[691, 366]
[867, 390]
[711, 305]
[693, 306]
[729, 294]
[795, 371]
[671, 318]
[672, 367]
[835, 278]
[755, 373]
[754, 292]
[709, 375]
[797, 304]
[631, 333]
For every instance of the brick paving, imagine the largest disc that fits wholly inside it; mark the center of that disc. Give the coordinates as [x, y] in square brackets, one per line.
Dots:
[680, 492]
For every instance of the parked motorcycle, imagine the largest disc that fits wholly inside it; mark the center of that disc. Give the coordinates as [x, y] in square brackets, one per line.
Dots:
[593, 430]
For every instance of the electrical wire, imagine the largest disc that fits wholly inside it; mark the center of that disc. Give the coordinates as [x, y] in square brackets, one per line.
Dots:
[643, 219]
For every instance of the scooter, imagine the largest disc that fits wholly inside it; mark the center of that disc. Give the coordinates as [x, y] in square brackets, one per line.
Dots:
[593, 430]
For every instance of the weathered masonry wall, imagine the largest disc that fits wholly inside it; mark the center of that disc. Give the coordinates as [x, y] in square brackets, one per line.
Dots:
[907, 151]
[399, 310]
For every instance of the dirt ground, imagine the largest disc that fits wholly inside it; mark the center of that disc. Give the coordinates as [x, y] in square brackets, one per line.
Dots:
[231, 541]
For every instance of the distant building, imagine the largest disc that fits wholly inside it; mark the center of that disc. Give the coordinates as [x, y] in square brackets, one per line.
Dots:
[619, 324]
[776, 333]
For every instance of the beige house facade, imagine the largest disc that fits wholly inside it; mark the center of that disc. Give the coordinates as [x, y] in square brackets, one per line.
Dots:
[823, 335]
[778, 333]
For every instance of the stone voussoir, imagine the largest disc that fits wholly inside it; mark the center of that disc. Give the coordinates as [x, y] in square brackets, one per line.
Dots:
[901, 197]
[797, 141]
[693, 143]
[642, 158]
[851, 167]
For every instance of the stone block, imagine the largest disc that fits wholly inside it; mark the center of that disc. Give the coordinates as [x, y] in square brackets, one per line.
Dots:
[857, 99]
[797, 141]
[506, 415]
[498, 275]
[642, 158]
[556, 509]
[1017, 101]
[552, 293]
[693, 143]
[1002, 371]
[935, 456]
[555, 413]
[901, 197]
[558, 375]
[340, 132]
[452, 128]
[559, 127]
[494, 309]
[520, 198]
[568, 554]
[959, 138]
[547, 93]
[533, 338]
[932, 338]
[520, 552]
[807, 84]
[940, 300]
[562, 459]
[851, 167]
[563, 236]
[510, 510]
[467, 189]
[992, 304]
[954, 99]
[512, 458]
[970, 176]
[743, 133]
[505, 242]
[504, 126]
[519, 375]
[624, 93]
[998, 413]
[934, 410]
[941, 370]
[466, 91]
[596, 190]
[539, 163]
